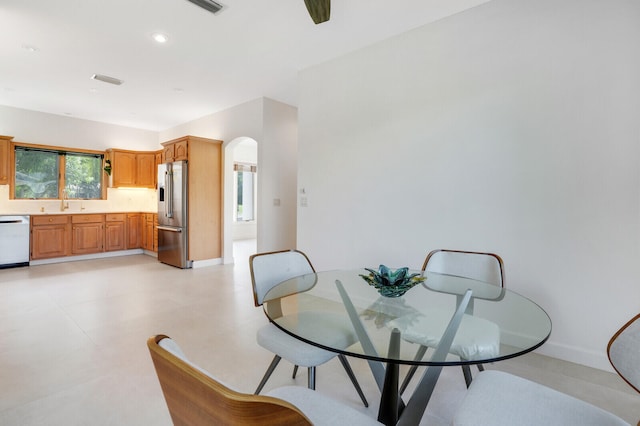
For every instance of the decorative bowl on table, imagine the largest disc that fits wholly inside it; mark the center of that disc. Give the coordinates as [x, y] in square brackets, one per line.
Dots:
[390, 283]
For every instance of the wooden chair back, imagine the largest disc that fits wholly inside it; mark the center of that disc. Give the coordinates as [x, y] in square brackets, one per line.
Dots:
[195, 398]
[624, 352]
[487, 267]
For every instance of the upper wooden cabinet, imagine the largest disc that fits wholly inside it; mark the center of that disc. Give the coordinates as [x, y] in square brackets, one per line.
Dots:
[176, 150]
[132, 168]
[4, 159]
[146, 170]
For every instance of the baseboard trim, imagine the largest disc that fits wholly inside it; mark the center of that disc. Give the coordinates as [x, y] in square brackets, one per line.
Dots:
[594, 359]
[86, 257]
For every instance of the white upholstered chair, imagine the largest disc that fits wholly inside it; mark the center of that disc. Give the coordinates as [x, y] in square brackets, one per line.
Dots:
[269, 269]
[194, 397]
[476, 337]
[501, 399]
[624, 352]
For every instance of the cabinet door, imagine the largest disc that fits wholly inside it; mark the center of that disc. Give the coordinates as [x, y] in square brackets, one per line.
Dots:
[146, 170]
[180, 151]
[49, 241]
[133, 231]
[4, 161]
[114, 236]
[87, 238]
[147, 234]
[123, 166]
[155, 169]
[167, 153]
[155, 232]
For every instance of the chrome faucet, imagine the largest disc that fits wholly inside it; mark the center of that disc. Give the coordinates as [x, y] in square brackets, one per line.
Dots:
[63, 205]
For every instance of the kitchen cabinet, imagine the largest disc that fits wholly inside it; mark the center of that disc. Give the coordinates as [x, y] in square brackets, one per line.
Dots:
[158, 156]
[132, 168]
[150, 232]
[134, 239]
[5, 146]
[87, 233]
[123, 168]
[61, 235]
[176, 150]
[50, 236]
[146, 170]
[204, 194]
[114, 232]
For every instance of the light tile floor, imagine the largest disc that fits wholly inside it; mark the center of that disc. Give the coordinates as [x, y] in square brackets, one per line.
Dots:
[73, 345]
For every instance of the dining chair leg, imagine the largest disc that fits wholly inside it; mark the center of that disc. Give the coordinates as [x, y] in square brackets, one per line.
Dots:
[311, 378]
[480, 367]
[347, 368]
[295, 371]
[419, 355]
[272, 366]
[467, 374]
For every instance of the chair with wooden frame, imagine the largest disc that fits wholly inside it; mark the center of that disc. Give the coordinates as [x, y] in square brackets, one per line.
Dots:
[269, 269]
[623, 351]
[481, 266]
[194, 397]
[501, 399]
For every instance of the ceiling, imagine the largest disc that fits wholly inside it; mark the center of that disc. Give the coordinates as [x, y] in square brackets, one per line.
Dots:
[252, 48]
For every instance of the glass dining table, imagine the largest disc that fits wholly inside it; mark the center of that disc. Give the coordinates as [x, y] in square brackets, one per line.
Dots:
[443, 321]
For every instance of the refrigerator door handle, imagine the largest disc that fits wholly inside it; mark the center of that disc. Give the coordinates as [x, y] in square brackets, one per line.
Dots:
[166, 228]
[168, 183]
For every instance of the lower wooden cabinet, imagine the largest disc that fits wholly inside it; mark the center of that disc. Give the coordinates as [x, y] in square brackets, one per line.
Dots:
[77, 234]
[150, 232]
[114, 232]
[50, 236]
[87, 233]
[133, 231]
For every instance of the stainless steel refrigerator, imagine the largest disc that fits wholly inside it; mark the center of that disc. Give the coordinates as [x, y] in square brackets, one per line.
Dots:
[172, 214]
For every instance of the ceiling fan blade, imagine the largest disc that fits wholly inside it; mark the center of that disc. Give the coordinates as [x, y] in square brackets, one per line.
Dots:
[320, 10]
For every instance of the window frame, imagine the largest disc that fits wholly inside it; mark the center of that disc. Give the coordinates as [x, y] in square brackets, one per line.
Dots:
[61, 169]
[239, 166]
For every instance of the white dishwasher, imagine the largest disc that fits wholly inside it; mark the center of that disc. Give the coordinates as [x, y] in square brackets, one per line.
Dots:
[14, 241]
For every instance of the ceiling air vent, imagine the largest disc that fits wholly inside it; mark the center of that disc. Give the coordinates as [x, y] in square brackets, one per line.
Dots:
[210, 5]
[107, 79]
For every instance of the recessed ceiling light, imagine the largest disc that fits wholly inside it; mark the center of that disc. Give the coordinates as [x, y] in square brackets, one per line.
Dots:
[29, 48]
[160, 38]
[93, 90]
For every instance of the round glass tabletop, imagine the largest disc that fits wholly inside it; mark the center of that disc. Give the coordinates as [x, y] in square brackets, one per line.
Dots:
[494, 323]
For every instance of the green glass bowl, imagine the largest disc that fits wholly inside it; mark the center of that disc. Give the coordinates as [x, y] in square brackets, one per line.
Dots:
[392, 283]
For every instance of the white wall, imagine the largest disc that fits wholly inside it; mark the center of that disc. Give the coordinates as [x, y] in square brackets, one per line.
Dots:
[511, 128]
[50, 129]
[57, 130]
[277, 177]
[273, 125]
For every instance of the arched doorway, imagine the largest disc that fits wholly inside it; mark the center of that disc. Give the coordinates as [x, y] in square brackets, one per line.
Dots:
[240, 195]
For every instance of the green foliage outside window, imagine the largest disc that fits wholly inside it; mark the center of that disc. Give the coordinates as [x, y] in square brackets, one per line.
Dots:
[83, 176]
[37, 173]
